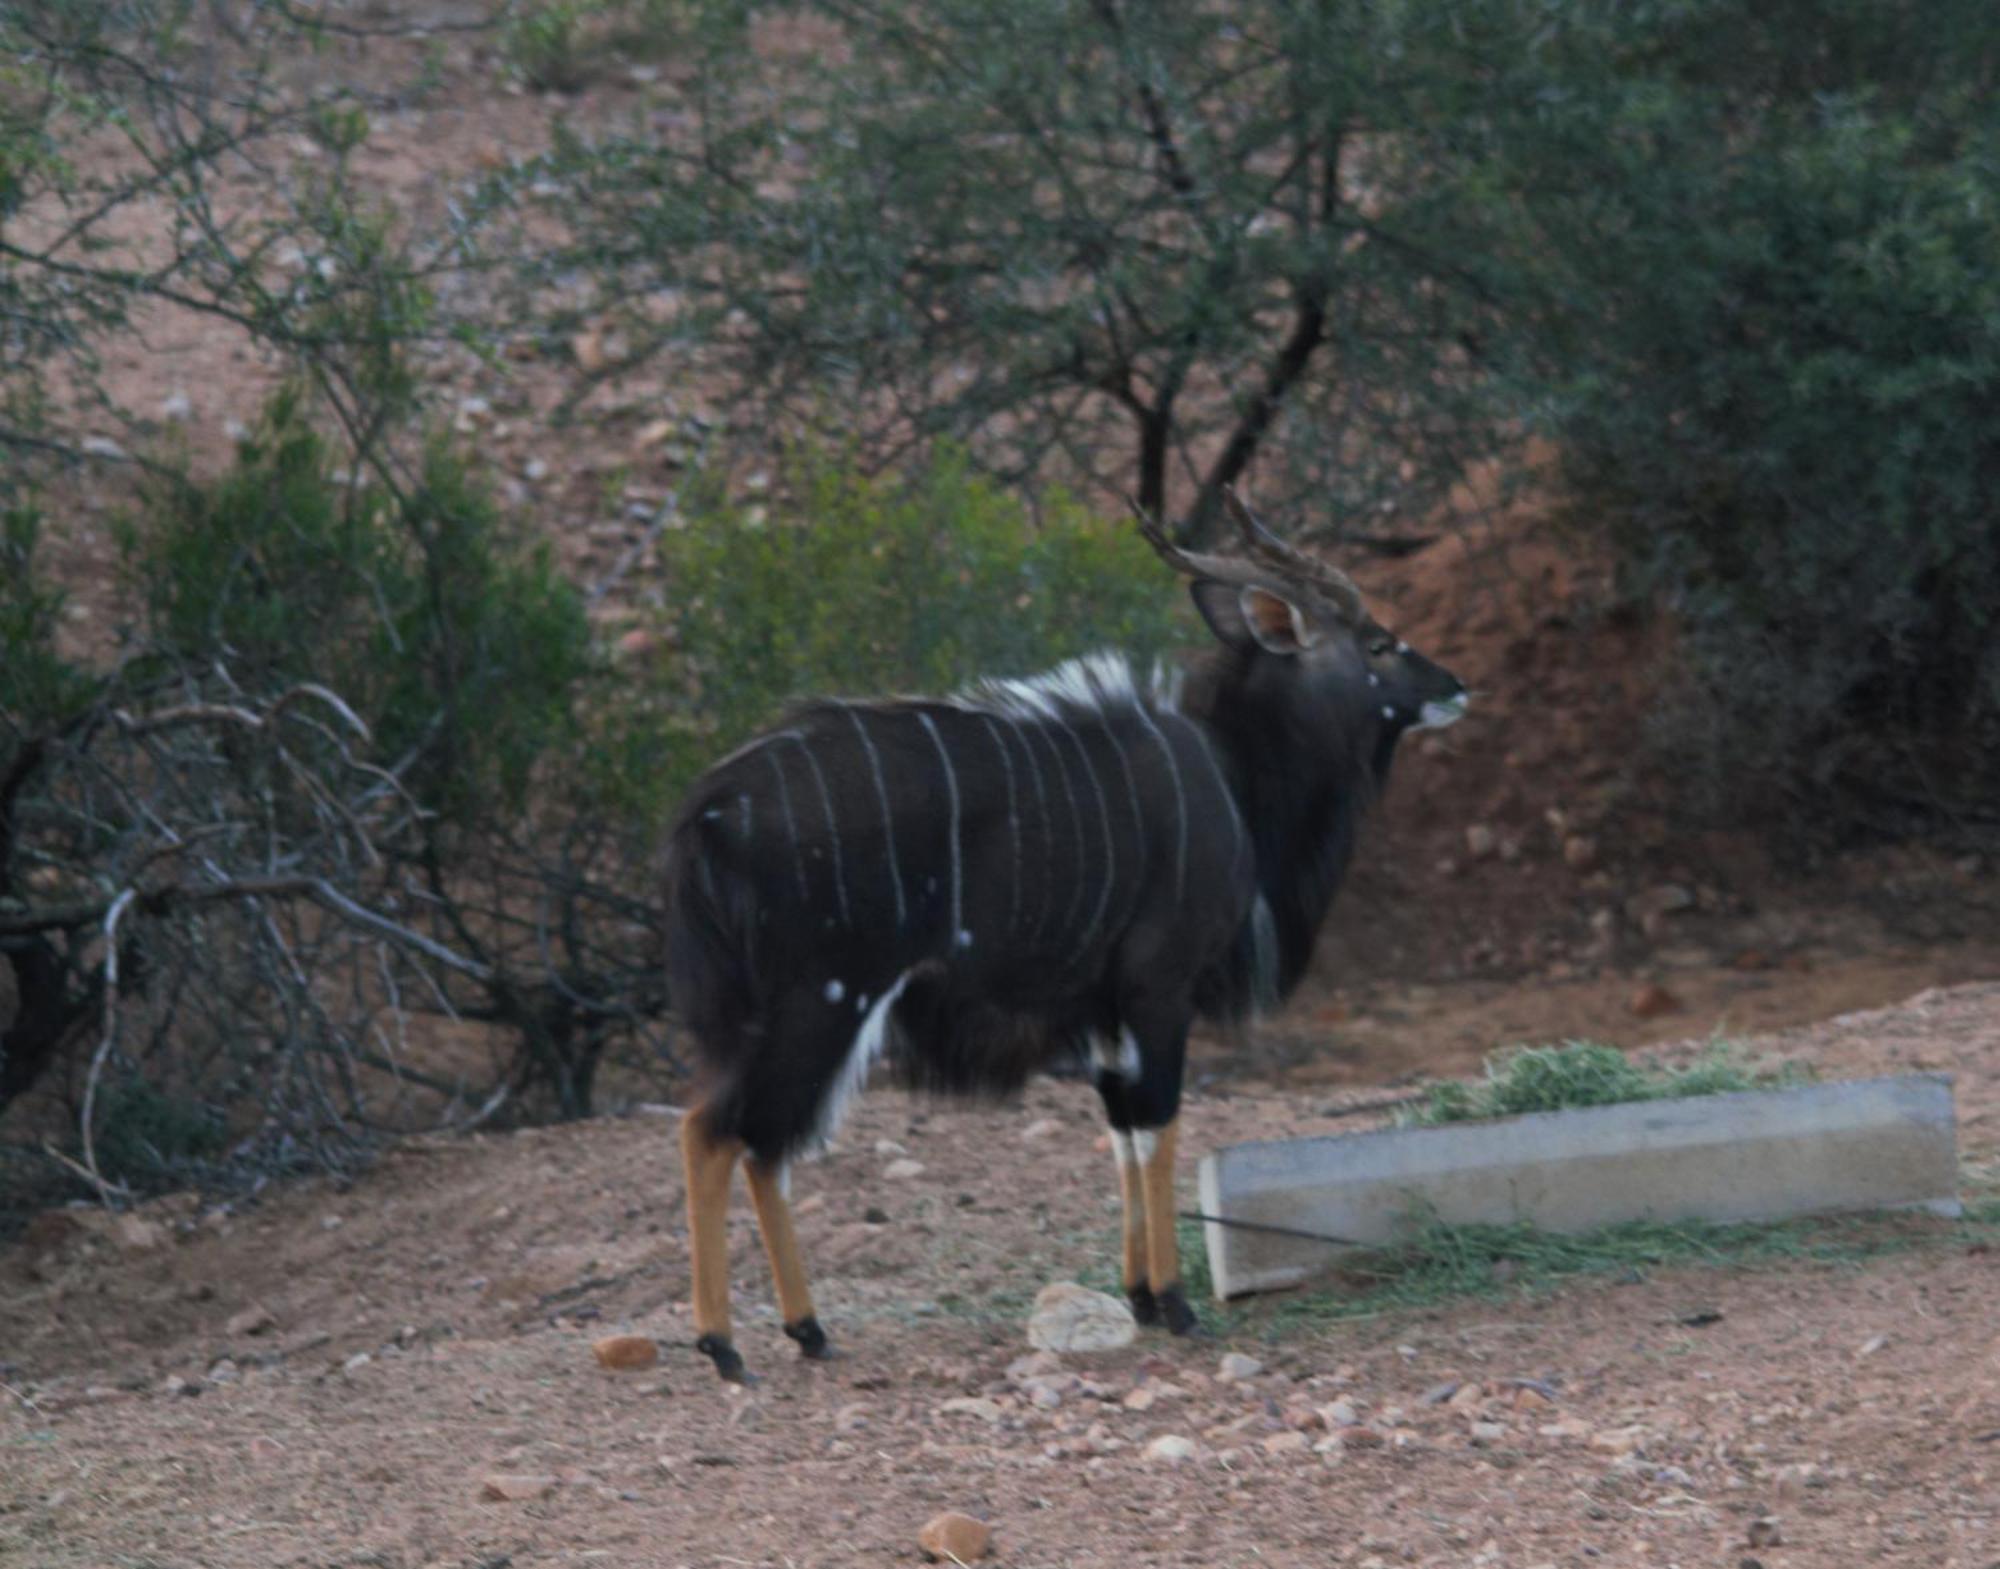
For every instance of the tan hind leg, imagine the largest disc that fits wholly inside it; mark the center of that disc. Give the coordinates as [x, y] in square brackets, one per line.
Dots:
[781, 1246]
[1132, 1190]
[1155, 1153]
[709, 1162]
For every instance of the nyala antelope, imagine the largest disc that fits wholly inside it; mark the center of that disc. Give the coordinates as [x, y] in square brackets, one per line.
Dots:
[972, 888]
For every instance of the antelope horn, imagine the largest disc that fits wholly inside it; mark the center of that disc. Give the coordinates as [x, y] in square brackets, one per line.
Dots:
[1279, 556]
[1186, 562]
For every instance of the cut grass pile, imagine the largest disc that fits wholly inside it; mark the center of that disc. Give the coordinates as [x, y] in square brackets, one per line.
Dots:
[1584, 1073]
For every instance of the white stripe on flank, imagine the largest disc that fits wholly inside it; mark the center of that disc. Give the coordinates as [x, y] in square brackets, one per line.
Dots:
[888, 818]
[1075, 902]
[1110, 849]
[791, 822]
[1180, 802]
[743, 810]
[1132, 795]
[1013, 822]
[832, 827]
[862, 1055]
[957, 854]
[1048, 824]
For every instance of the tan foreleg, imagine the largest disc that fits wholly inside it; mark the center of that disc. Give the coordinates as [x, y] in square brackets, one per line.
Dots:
[1163, 1254]
[709, 1162]
[781, 1246]
[1132, 1189]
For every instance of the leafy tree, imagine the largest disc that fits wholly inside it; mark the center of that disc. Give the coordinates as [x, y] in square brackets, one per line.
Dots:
[1766, 343]
[1142, 245]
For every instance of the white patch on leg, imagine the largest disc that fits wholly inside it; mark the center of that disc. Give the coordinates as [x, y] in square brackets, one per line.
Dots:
[862, 1056]
[1122, 1151]
[1263, 956]
[1122, 1059]
[1145, 1145]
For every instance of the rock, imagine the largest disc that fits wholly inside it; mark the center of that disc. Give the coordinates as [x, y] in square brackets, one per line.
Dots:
[224, 1371]
[356, 1363]
[1466, 1396]
[1070, 1318]
[1488, 1432]
[1171, 1449]
[1649, 910]
[1618, 1440]
[587, 349]
[955, 1538]
[1568, 1427]
[1871, 1345]
[178, 407]
[1041, 1128]
[1339, 1414]
[1579, 852]
[1438, 1394]
[1235, 1366]
[1528, 1398]
[626, 1353]
[513, 1488]
[971, 1405]
[1652, 1000]
[1290, 1443]
[256, 1319]
[875, 1215]
[654, 433]
[1792, 1481]
[902, 1170]
[1481, 841]
[1764, 1532]
[1357, 1437]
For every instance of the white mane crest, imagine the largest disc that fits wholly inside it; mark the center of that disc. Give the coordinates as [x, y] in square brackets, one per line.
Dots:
[1092, 684]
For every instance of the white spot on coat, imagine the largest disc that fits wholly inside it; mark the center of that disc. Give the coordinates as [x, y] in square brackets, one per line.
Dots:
[835, 991]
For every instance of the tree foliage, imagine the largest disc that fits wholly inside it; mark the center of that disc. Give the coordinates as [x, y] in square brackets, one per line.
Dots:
[1141, 246]
[1768, 350]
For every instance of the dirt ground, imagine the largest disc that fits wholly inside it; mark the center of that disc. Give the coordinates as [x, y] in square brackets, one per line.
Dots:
[430, 1328]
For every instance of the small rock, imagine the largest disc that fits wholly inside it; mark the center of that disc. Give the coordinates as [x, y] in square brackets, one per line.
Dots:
[535, 470]
[875, 1215]
[1036, 1364]
[1041, 1128]
[626, 1353]
[587, 349]
[1580, 852]
[256, 1319]
[1171, 1449]
[178, 407]
[1652, 1000]
[1792, 1481]
[971, 1405]
[1764, 1532]
[1438, 1394]
[1287, 1443]
[1871, 1345]
[850, 1418]
[902, 1170]
[1339, 1414]
[1144, 1398]
[224, 1372]
[356, 1363]
[1356, 1437]
[1466, 1396]
[1528, 1398]
[1618, 1440]
[1481, 841]
[1567, 1427]
[1488, 1432]
[1236, 1366]
[103, 447]
[511, 1488]
[955, 1538]
[1069, 1318]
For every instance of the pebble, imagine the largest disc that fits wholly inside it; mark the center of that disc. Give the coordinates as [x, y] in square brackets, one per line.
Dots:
[356, 1363]
[1652, 1000]
[253, 1320]
[955, 1537]
[971, 1405]
[902, 1170]
[1764, 1532]
[1172, 1449]
[1068, 1318]
[511, 1488]
[1236, 1366]
[1481, 841]
[1041, 1128]
[1287, 1443]
[626, 1353]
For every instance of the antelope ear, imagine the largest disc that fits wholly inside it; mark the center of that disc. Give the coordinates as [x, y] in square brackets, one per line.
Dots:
[1244, 616]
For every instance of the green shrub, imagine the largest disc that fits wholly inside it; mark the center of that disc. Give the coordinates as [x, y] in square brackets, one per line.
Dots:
[873, 586]
[1772, 358]
[1581, 1073]
[453, 636]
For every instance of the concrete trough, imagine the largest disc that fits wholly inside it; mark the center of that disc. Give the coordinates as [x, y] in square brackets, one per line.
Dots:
[1866, 1144]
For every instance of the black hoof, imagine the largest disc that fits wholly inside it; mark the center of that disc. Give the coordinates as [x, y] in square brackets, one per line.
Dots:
[1145, 1306]
[1176, 1314]
[728, 1363]
[811, 1339]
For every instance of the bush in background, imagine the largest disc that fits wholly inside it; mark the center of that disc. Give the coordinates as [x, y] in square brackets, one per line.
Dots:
[1769, 352]
[863, 586]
